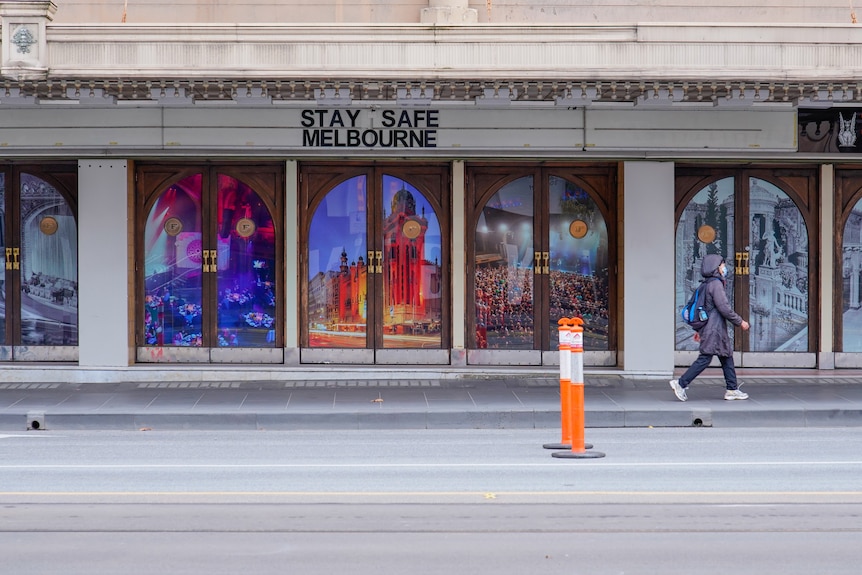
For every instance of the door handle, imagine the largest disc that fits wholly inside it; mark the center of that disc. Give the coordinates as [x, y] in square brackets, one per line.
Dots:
[742, 267]
[540, 257]
[210, 261]
[8, 258]
[372, 268]
[15, 253]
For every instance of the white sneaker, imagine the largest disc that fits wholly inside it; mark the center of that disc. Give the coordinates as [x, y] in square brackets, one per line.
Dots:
[679, 390]
[732, 394]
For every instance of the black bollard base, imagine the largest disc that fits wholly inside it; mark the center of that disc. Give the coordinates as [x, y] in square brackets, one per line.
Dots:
[564, 446]
[578, 454]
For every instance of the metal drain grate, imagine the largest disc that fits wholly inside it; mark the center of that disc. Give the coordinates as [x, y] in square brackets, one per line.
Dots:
[373, 383]
[29, 385]
[190, 385]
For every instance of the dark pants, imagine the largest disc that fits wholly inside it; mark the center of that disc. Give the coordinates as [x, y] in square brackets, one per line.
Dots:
[702, 362]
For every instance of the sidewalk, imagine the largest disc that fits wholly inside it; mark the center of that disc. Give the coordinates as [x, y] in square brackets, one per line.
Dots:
[801, 398]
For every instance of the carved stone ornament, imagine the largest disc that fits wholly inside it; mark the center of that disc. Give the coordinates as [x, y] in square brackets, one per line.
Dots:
[23, 39]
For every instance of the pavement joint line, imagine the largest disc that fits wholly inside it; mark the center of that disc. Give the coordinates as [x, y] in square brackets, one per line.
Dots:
[518, 399]
[470, 395]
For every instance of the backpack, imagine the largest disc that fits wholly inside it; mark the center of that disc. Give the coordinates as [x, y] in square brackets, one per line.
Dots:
[694, 313]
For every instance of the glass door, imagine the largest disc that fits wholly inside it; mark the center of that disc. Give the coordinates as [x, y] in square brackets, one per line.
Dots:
[373, 263]
[771, 280]
[541, 251]
[39, 290]
[209, 284]
[847, 302]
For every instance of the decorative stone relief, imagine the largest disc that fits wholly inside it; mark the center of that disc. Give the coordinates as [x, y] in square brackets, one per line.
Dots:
[23, 38]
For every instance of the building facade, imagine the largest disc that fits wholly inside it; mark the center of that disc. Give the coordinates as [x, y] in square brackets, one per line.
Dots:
[432, 185]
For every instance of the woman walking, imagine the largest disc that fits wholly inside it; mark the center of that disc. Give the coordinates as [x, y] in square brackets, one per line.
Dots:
[713, 337]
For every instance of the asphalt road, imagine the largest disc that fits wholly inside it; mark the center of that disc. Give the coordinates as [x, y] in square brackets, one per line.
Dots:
[457, 502]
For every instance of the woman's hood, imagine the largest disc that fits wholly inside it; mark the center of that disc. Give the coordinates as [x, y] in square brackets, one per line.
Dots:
[709, 266]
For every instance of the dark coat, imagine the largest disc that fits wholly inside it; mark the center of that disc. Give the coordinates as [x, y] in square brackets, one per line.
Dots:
[714, 339]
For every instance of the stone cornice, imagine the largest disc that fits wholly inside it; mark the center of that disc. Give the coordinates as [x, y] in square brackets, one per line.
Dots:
[413, 51]
[618, 62]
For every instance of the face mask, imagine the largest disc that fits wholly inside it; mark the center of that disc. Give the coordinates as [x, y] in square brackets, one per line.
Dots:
[723, 271]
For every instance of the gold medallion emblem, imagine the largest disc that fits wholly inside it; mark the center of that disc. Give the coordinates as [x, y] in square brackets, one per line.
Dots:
[411, 229]
[245, 228]
[48, 225]
[578, 229]
[706, 234]
[173, 227]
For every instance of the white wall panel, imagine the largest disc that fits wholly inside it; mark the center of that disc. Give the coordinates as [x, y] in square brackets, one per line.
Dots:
[50, 129]
[577, 11]
[694, 129]
[454, 128]
[133, 131]
[103, 258]
[608, 52]
[648, 247]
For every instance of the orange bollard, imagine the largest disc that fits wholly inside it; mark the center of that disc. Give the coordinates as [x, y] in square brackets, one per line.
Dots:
[564, 330]
[576, 397]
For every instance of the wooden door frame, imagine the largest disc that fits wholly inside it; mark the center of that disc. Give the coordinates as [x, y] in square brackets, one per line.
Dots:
[63, 177]
[484, 179]
[316, 181]
[433, 180]
[689, 180]
[266, 179]
[848, 192]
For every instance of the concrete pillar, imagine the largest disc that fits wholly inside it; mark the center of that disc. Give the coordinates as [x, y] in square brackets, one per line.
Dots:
[826, 355]
[106, 273]
[24, 39]
[647, 343]
[291, 264]
[448, 12]
[459, 264]
[855, 270]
